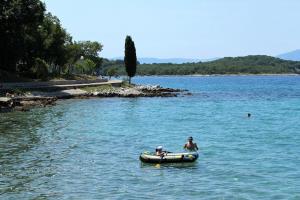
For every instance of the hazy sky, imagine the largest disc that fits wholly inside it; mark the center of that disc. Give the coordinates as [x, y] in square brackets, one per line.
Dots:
[184, 28]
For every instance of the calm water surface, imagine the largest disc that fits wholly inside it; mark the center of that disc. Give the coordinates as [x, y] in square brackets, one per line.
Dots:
[89, 149]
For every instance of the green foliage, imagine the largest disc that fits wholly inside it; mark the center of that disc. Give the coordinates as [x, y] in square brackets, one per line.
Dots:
[98, 88]
[52, 43]
[238, 65]
[86, 50]
[28, 32]
[90, 50]
[40, 69]
[111, 72]
[85, 66]
[19, 22]
[130, 59]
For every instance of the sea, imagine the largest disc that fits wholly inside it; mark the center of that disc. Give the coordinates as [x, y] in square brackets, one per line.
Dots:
[90, 148]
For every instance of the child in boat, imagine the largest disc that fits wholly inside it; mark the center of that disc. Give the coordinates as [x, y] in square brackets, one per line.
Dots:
[159, 151]
[190, 146]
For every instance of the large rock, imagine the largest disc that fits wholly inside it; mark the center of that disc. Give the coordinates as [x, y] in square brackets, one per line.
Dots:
[6, 101]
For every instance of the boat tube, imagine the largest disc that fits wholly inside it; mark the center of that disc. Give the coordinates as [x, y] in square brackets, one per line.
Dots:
[148, 157]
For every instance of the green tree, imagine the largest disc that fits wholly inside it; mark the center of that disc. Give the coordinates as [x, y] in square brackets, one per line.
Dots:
[130, 59]
[53, 41]
[85, 66]
[73, 54]
[40, 69]
[19, 21]
[111, 72]
[91, 50]
[31, 38]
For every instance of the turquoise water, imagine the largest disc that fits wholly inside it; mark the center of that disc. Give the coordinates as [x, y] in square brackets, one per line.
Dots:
[89, 149]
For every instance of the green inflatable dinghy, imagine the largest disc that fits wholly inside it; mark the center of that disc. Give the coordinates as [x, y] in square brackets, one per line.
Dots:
[148, 157]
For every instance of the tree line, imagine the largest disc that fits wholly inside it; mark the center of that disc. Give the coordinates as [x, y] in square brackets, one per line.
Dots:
[34, 44]
[256, 64]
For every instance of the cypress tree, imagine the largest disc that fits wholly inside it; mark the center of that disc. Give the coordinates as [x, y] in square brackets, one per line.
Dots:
[130, 59]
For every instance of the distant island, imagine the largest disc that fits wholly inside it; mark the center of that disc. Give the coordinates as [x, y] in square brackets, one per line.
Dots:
[150, 60]
[293, 55]
[253, 64]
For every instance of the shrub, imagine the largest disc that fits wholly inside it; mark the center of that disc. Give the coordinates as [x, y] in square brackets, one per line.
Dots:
[40, 69]
[111, 72]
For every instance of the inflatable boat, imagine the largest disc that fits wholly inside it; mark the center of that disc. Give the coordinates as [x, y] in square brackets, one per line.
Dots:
[148, 157]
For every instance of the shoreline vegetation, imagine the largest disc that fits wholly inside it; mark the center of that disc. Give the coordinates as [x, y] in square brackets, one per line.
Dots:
[247, 65]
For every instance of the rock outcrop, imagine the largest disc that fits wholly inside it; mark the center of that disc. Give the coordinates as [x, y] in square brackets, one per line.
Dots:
[41, 99]
[137, 91]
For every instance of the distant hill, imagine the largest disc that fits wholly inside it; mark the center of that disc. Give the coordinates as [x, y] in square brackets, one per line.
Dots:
[254, 64]
[293, 55]
[172, 60]
[167, 60]
[148, 60]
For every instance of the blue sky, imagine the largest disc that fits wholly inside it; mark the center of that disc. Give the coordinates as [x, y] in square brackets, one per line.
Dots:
[184, 28]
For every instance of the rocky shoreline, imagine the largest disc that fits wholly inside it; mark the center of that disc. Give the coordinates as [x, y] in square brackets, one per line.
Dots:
[137, 91]
[31, 99]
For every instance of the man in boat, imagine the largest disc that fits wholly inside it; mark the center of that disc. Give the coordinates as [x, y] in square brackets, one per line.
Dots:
[190, 146]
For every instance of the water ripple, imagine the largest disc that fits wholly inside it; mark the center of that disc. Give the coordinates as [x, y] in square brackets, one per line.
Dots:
[89, 149]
